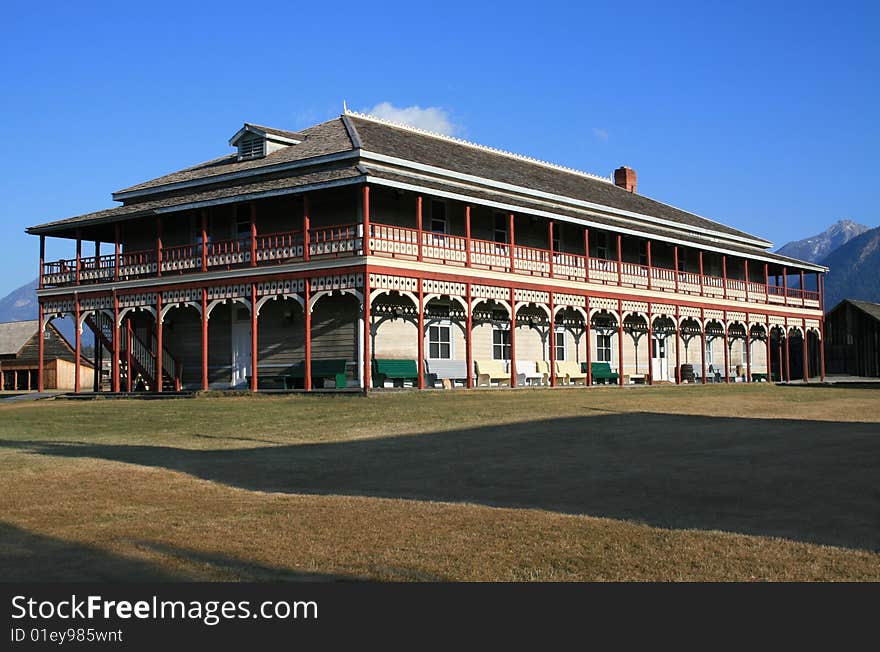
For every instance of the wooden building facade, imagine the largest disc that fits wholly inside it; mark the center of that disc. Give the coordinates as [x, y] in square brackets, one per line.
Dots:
[852, 343]
[359, 241]
[20, 358]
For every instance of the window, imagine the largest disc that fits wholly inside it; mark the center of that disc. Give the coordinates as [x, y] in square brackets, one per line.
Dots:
[500, 227]
[440, 342]
[243, 221]
[560, 343]
[500, 344]
[603, 348]
[438, 217]
[601, 245]
[709, 352]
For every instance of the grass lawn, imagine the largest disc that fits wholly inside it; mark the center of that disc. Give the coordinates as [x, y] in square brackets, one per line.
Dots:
[652, 483]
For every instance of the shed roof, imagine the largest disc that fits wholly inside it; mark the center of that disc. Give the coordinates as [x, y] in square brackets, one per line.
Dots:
[15, 334]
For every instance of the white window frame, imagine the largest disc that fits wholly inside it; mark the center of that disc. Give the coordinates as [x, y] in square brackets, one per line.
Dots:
[440, 324]
[710, 359]
[600, 348]
[504, 346]
[560, 342]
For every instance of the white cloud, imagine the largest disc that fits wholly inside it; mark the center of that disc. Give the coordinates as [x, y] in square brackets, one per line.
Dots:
[601, 134]
[430, 118]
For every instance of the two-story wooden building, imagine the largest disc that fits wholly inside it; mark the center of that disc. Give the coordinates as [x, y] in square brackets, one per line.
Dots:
[306, 257]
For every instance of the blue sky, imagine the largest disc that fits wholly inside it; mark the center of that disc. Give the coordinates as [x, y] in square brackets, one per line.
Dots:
[760, 115]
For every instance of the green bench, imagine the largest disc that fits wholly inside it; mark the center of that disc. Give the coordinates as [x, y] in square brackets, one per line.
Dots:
[601, 371]
[322, 370]
[396, 371]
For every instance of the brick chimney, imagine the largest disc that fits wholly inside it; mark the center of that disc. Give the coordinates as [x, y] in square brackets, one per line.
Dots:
[625, 178]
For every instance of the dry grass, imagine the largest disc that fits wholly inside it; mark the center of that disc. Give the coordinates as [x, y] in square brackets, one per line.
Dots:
[427, 486]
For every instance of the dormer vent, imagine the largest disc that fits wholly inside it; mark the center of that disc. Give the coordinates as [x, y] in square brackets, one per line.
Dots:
[254, 141]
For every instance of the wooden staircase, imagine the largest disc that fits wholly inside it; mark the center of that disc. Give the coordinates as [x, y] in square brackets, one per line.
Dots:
[143, 357]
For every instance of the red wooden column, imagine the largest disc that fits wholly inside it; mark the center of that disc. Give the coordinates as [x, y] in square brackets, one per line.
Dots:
[787, 356]
[803, 292]
[805, 357]
[822, 350]
[587, 262]
[701, 274]
[204, 339]
[468, 344]
[551, 339]
[116, 238]
[724, 276]
[675, 264]
[158, 245]
[620, 264]
[748, 354]
[307, 226]
[677, 346]
[77, 338]
[648, 251]
[42, 260]
[726, 349]
[511, 243]
[204, 240]
[40, 349]
[589, 345]
[619, 336]
[78, 256]
[254, 335]
[550, 244]
[115, 361]
[253, 212]
[513, 329]
[467, 244]
[307, 309]
[746, 274]
[650, 343]
[703, 339]
[421, 342]
[129, 370]
[419, 230]
[367, 362]
[785, 293]
[160, 345]
[770, 356]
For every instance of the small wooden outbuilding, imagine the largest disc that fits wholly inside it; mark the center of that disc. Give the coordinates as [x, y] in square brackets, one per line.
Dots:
[19, 358]
[852, 338]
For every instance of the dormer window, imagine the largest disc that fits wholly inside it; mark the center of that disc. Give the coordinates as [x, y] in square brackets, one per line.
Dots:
[251, 146]
[254, 141]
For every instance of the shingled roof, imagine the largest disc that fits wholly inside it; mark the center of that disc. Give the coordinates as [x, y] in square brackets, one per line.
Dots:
[343, 142]
[15, 334]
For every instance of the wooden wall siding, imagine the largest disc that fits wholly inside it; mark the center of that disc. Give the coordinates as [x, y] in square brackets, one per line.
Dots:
[182, 334]
[280, 341]
[853, 345]
[397, 339]
[341, 206]
[335, 329]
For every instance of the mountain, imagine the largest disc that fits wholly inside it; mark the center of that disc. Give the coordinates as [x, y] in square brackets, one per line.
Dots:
[20, 304]
[817, 247]
[854, 270]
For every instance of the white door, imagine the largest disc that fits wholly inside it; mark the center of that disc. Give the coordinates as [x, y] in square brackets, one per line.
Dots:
[659, 363]
[241, 353]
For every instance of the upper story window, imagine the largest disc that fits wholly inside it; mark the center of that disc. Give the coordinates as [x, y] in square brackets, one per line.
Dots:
[602, 245]
[439, 223]
[500, 233]
[243, 221]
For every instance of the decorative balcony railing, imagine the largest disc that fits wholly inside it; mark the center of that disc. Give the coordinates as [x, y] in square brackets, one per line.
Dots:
[411, 244]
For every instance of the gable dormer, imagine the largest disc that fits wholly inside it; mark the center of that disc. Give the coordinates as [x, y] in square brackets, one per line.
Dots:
[254, 141]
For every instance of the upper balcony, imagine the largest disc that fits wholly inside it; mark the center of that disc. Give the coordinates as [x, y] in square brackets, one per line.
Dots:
[412, 244]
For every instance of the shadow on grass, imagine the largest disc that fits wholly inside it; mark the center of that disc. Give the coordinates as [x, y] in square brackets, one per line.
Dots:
[29, 557]
[804, 480]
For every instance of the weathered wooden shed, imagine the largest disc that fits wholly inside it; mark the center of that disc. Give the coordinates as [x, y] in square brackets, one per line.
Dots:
[852, 338]
[19, 358]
